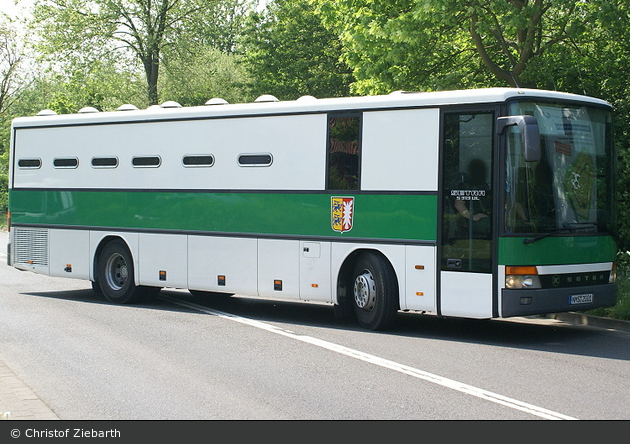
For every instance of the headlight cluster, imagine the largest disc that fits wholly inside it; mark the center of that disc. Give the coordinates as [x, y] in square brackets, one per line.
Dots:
[521, 277]
[526, 277]
[514, 281]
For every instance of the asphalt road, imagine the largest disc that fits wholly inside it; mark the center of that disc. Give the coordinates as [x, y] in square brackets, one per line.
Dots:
[187, 358]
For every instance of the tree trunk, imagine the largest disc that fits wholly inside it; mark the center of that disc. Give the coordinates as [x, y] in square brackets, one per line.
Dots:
[151, 69]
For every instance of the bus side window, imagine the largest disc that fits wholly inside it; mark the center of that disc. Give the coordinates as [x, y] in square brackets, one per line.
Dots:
[344, 145]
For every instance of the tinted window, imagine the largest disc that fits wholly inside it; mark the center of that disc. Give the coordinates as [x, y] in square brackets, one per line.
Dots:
[146, 161]
[105, 162]
[255, 159]
[467, 184]
[344, 143]
[29, 163]
[69, 162]
[198, 161]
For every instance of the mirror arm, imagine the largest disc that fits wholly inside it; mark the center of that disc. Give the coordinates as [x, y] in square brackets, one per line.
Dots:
[528, 126]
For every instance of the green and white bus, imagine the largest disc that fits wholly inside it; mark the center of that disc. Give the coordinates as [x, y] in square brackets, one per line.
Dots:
[487, 203]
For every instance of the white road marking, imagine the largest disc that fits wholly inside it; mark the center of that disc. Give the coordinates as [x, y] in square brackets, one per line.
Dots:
[416, 373]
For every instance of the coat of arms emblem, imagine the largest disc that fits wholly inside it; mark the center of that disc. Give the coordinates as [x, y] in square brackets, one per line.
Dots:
[342, 213]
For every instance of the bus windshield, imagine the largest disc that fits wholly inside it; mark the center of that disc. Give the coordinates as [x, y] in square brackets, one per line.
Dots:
[570, 188]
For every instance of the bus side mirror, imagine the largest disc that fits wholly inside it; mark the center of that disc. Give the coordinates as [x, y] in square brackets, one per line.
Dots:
[530, 136]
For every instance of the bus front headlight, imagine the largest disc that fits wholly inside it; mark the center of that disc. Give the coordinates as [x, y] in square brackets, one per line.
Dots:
[521, 278]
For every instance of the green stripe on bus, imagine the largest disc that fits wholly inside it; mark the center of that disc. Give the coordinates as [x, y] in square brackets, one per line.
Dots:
[376, 216]
[557, 250]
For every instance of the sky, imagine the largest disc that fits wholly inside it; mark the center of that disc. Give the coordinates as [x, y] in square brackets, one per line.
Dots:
[11, 9]
[16, 11]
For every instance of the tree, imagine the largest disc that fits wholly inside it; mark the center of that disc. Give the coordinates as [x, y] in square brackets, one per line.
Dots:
[82, 31]
[11, 55]
[602, 68]
[289, 53]
[192, 78]
[436, 44]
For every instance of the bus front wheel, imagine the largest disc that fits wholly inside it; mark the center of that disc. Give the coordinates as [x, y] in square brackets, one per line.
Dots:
[116, 274]
[374, 292]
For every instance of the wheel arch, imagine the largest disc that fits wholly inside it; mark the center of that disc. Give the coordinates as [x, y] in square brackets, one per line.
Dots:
[347, 266]
[101, 245]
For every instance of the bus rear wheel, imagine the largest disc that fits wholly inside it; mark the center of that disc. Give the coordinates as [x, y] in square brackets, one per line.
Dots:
[116, 274]
[374, 291]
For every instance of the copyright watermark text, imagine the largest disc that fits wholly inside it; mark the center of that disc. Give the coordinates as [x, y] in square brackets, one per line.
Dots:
[65, 433]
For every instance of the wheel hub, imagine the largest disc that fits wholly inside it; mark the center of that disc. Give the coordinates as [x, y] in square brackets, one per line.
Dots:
[117, 272]
[365, 291]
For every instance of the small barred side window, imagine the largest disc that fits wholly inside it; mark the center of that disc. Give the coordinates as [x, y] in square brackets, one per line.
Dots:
[198, 161]
[105, 162]
[29, 164]
[146, 161]
[246, 160]
[66, 162]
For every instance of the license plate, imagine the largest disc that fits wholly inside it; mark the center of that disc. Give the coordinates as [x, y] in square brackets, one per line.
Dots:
[581, 298]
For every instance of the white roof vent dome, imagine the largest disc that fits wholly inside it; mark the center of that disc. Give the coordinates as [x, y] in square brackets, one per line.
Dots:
[266, 98]
[306, 99]
[217, 101]
[127, 107]
[88, 110]
[170, 104]
[47, 112]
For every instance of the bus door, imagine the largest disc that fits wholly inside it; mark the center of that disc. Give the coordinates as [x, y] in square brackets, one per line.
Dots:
[466, 250]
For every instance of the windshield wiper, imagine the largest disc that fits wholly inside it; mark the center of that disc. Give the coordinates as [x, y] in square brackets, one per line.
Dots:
[582, 227]
[531, 240]
[567, 227]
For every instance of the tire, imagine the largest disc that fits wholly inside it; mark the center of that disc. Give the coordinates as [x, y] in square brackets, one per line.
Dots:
[374, 292]
[116, 274]
[96, 288]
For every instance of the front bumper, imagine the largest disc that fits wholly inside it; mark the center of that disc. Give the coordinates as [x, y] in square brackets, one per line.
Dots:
[556, 300]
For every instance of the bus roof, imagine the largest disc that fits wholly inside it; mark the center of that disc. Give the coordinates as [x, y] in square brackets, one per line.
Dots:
[268, 105]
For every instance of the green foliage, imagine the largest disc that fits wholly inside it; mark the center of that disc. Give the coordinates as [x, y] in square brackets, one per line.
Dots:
[444, 44]
[80, 32]
[621, 310]
[193, 78]
[289, 53]
[4, 184]
[100, 86]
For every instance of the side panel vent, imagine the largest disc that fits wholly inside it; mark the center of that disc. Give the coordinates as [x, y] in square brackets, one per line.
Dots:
[30, 246]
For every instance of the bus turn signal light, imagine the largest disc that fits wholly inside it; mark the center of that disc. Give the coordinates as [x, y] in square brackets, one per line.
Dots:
[520, 270]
